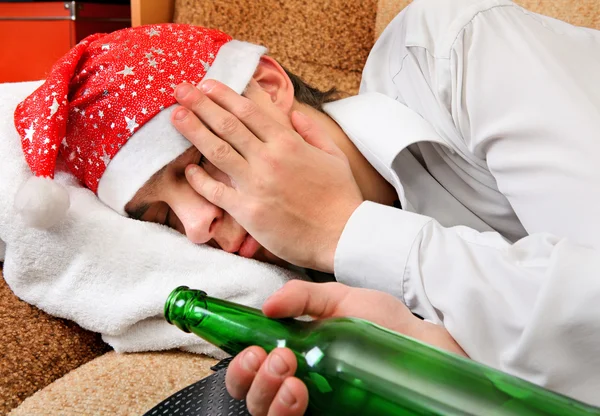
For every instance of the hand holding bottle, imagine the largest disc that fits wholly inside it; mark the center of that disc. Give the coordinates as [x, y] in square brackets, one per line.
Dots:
[268, 383]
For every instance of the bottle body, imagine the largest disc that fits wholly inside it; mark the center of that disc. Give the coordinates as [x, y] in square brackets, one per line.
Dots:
[353, 367]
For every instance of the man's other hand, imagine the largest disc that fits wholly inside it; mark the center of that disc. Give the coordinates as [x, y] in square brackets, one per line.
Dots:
[267, 382]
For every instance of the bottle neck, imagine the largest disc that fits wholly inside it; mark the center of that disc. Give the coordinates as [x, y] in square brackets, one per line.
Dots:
[229, 326]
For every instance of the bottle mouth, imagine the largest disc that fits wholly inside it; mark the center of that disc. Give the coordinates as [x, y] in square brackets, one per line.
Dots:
[176, 306]
[170, 304]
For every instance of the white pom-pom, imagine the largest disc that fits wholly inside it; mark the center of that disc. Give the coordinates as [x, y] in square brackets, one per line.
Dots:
[41, 202]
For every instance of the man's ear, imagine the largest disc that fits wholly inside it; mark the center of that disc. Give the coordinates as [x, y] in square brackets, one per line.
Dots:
[273, 80]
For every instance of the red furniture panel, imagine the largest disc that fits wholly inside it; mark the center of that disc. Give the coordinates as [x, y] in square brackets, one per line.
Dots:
[34, 35]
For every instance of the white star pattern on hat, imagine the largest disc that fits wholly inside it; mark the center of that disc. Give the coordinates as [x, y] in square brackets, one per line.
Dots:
[53, 108]
[105, 157]
[131, 124]
[29, 133]
[153, 32]
[127, 71]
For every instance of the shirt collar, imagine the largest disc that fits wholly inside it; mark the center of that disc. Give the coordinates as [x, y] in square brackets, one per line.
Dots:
[381, 128]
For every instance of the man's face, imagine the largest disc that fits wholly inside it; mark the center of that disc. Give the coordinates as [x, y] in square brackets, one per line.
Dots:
[168, 199]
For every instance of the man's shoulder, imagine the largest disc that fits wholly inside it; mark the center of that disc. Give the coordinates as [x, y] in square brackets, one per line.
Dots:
[435, 24]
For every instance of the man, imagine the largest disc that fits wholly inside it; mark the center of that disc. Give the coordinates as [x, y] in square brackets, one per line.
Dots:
[105, 107]
[499, 185]
[296, 196]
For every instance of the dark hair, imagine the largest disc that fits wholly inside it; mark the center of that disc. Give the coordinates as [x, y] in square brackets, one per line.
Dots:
[309, 95]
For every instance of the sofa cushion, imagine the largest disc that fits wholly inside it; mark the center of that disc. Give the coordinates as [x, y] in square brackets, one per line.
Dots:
[118, 384]
[37, 348]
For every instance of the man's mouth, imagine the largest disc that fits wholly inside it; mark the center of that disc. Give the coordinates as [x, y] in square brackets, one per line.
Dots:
[249, 247]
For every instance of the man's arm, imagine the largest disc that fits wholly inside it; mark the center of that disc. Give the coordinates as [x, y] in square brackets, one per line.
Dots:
[530, 308]
[523, 93]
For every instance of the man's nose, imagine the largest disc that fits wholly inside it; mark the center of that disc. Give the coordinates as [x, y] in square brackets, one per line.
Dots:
[200, 222]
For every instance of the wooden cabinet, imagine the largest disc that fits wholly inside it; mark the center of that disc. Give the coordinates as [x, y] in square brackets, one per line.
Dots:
[33, 35]
[145, 12]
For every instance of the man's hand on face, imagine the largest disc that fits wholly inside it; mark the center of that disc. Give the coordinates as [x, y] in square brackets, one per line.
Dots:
[267, 382]
[293, 191]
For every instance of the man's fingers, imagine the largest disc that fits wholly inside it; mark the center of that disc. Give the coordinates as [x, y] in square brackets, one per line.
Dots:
[261, 125]
[215, 192]
[220, 121]
[279, 365]
[297, 298]
[242, 370]
[313, 134]
[291, 399]
[219, 152]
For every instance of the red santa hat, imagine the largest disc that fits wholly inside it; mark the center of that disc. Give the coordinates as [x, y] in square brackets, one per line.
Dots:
[105, 108]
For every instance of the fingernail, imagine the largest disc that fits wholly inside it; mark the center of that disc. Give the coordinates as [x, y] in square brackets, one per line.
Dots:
[277, 365]
[285, 396]
[183, 90]
[180, 114]
[207, 85]
[251, 362]
[191, 170]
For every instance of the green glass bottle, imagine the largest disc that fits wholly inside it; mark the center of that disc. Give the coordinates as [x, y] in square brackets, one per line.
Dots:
[354, 367]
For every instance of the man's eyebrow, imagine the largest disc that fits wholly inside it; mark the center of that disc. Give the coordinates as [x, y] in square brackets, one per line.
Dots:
[151, 183]
[139, 212]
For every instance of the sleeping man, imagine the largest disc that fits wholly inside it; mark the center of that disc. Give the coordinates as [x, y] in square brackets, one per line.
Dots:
[106, 108]
[471, 249]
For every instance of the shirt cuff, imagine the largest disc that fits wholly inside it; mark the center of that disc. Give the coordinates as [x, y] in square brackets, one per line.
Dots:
[374, 247]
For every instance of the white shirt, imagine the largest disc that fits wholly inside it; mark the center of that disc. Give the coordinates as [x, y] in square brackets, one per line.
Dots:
[486, 119]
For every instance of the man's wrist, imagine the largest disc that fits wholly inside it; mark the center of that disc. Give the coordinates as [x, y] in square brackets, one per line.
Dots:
[436, 335]
[325, 258]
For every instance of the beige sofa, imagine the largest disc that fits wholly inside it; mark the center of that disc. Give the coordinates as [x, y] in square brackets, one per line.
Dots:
[51, 366]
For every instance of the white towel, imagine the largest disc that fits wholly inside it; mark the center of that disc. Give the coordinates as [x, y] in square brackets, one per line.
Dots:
[108, 273]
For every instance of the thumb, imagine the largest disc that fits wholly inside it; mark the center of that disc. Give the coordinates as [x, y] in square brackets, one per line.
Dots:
[313, 134]
[297, 298]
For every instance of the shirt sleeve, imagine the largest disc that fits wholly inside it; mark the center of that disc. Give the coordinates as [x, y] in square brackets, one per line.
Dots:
[524, 93]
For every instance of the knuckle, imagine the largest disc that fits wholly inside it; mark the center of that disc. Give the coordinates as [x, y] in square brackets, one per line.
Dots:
[197, 101]
[260, 184]
[288, 142]
[220, 152]
[265, 156]
[227, 125]
[217, 192]
[254, 408]
[275, 164]
[270, 159]
[243, 141]
[247, 109]
[336, 287]
[293, 285]
[251, 407]
[233, 387]
[255, 212]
